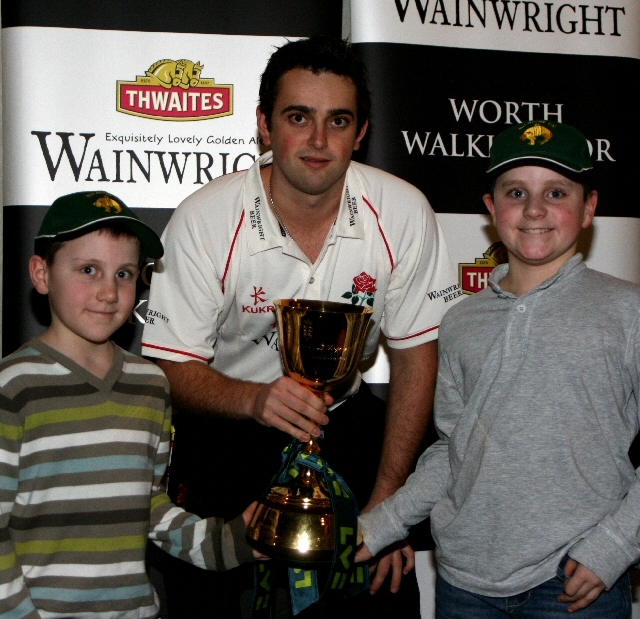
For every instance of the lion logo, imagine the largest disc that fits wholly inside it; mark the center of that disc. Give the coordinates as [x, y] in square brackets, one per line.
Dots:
[174, 90]
[168, 73]
[532, 134]
[108, 204]
[497, 252]
[474, 276]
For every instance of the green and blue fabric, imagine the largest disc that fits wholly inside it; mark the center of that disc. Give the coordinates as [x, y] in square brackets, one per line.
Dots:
[345, 577]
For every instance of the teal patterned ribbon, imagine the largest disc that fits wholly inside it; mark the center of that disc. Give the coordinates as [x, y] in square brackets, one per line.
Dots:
[345, 577]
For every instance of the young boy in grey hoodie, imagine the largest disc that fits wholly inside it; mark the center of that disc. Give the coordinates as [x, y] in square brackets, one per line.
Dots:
[534, 503]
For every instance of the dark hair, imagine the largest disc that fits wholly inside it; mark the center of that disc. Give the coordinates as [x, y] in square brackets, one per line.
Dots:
[47, 248]
[317, 54]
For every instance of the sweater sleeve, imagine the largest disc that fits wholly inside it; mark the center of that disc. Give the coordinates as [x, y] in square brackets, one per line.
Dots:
[614, 544]
[15, 599]
[208, 543]
[389, 521]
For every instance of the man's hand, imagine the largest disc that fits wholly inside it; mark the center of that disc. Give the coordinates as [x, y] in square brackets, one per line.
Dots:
[282, 404]
[401, 560]
[411, 387]
[582, 588]
[292, 408]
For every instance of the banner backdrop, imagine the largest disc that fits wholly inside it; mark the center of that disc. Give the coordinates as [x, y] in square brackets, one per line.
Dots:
[145, 100]
[448, 75]
[151, 100]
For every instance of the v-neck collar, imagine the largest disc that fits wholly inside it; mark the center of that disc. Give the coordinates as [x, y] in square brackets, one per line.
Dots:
[102, 384]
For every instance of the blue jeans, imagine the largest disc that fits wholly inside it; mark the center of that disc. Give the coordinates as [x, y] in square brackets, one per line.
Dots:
[538, 603]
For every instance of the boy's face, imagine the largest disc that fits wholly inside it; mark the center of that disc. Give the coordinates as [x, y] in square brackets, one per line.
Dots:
[539, 214]
[91, 286]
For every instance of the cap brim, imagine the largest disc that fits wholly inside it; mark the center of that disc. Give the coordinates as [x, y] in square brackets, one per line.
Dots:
[543, 162]
[150, 244]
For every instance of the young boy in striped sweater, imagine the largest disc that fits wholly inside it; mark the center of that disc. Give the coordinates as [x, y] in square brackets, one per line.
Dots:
[84, 435]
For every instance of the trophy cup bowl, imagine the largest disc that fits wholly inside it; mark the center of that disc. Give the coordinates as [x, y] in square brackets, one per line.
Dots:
[321, 345]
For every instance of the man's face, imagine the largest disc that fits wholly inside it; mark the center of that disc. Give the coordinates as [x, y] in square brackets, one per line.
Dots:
[539, 214]
[313, 130]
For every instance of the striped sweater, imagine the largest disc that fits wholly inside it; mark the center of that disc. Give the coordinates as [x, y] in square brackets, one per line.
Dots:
[81, 464]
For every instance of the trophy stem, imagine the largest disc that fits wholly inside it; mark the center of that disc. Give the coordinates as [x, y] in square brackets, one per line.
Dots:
[314, 441]
[312, 446]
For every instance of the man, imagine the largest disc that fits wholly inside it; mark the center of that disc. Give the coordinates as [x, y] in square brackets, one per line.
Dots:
[303, 222]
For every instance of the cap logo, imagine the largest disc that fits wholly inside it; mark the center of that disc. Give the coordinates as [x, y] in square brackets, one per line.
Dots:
[108, 204]
[532, 134]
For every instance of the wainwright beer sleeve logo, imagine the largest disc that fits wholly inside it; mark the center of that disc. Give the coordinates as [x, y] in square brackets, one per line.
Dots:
[474, 277]
[174, 90]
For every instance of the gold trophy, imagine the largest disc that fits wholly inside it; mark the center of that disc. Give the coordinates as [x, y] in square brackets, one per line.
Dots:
[321, 345]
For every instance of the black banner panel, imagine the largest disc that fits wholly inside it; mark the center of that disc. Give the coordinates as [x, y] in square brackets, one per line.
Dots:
[253, 17]
[436, 111]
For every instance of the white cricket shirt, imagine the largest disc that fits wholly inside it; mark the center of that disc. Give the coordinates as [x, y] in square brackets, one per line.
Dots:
[227, 259]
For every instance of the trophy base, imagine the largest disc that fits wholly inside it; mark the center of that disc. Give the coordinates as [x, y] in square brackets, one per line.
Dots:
[294, 531]
[311, 559]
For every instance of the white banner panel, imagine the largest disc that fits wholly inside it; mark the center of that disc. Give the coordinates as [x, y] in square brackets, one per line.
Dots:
[149, 116]
[509, 25]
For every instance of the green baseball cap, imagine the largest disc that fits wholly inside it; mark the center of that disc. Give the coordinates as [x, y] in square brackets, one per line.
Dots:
[543, 143]
[82, 211]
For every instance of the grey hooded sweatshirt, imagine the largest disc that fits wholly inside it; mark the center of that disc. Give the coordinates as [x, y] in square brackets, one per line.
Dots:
[536, 407]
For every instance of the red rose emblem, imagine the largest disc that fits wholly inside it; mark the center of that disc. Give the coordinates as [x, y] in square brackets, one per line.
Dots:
[364, 283]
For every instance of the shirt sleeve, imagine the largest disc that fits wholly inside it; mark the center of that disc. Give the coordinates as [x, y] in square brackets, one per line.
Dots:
[15, 599]
[390, 520]
[613, 545]
[208, 543]
[186, 296]
[423, 283]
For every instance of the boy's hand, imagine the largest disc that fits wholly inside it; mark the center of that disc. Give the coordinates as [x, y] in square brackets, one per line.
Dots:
[582, 588]
[247, 515]
[399, 559]
[363, 554]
